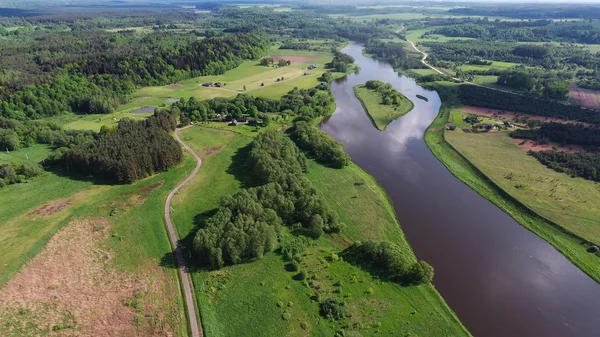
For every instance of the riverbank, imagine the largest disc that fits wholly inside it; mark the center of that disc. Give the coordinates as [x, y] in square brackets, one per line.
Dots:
[381, 114]
[468, 171]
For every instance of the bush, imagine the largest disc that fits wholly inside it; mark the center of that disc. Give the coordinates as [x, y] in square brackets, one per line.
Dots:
[333, 308]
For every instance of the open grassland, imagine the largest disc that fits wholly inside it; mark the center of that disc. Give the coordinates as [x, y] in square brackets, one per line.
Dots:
[264, 297]
[546, 183]
[381, 115]
[131, 248]
[544, 190]
[32, 154]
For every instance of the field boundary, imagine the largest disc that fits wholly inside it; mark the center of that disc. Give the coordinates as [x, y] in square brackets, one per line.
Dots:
[529, 216]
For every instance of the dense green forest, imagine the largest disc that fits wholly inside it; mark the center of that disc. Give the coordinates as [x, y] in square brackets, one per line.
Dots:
[394, 53]
[489, 98]
[132, 151]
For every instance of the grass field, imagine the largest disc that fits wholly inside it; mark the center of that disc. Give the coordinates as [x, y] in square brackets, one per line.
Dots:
[480, 170]
[544, 190]
[258, 293]
[381, 115]
[32, 213]
[32, 154]
[249, 74]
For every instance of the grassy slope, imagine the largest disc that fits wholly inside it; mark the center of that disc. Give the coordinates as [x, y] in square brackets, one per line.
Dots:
[471, 175]
[254, 289]
[32, 154]
[138, 241]
[381, 115]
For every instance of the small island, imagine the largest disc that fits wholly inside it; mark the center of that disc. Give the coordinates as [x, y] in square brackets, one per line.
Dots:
[423, 98]
[382, 103]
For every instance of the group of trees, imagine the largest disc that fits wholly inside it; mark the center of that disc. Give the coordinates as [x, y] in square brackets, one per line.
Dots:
[574, 134]
[389, 95]
[394, 53]
[340, 62]
[11, 173]
[247, 224]
[132, 151]
[320, 145]
[584, 165]
[494, 99]
[553, 88]
[388, 259]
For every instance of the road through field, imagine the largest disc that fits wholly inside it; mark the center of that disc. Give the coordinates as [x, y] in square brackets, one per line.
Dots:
[185, 279]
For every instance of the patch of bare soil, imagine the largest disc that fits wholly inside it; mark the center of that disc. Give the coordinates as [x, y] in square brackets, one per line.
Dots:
[530, 145]
[175, 85]
[509, 115]
[293, 59]
[51, 208]
[69, 288]
[584, 97]
[214, 149]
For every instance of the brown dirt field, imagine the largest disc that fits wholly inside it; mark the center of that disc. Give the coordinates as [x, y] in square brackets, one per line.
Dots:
[51, 208]
[584, 97]
[70, 288]
[294, 59]
[530, 145]
[509, 115]
[210, 150]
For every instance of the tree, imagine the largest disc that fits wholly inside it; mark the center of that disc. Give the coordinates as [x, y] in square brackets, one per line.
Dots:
[265, 120]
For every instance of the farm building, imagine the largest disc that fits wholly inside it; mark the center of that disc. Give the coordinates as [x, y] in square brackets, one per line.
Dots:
[312, 66]
[242, 120]
[207, 84]
[451, 127]
[508, 124]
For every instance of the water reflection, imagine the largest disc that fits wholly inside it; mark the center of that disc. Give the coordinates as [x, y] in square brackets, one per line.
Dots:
[499, 278]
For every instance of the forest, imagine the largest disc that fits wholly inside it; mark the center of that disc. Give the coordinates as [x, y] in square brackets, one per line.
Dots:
[545, 84]
[394, 53]
[527, 104]
[132, 151]
[248, 223]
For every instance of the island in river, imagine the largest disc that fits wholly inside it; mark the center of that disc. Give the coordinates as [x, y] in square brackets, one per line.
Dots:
[382, 103]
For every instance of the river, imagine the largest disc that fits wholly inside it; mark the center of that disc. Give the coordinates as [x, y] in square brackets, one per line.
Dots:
[499, 278]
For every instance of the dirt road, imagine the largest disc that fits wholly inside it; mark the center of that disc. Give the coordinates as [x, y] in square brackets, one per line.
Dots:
[185, 278]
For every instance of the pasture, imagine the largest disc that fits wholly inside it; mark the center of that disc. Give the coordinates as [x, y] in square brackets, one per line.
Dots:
[131, 244]
[268, 293]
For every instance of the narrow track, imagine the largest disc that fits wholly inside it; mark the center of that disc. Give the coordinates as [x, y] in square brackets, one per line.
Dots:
[185, 278]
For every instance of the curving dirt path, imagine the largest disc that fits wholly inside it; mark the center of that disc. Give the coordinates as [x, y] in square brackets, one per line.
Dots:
[185, 279]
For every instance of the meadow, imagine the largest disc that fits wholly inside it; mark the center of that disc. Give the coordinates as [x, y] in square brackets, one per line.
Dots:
[136, 245]
[475, 161]
[380, 114]
[272, 300]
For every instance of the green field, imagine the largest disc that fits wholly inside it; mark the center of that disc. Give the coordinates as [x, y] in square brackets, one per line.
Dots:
[381, 115]
[263, 290]
[33, 154]
[530, 185]
[31, 213]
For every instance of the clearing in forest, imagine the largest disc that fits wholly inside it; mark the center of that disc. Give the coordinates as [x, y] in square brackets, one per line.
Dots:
[585, 97]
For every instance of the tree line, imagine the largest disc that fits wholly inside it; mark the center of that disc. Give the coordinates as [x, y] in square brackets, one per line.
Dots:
[574, 134]
[320, 145]
[584, 165]
[247, 224]
[549, 87]
[494, 99]
[394, 53]
[389, 95]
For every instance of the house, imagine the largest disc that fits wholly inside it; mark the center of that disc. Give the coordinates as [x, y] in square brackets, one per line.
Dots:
[508, 124]
[242, 120]
[233, 123]
[312, 66]
[207, 84]
[217, 84]
[451, 127]
[253, 122]
[276, 66]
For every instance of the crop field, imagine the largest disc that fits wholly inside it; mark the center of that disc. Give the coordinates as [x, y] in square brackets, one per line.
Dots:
[546, 191]
[269, 295]
[585, 97]
[113, 237]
